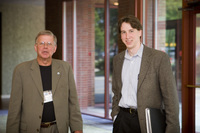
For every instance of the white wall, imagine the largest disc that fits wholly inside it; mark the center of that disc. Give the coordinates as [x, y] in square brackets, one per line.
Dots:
[21, 21]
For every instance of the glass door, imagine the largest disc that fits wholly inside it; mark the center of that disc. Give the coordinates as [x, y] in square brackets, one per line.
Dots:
[197, 75]
[196, 78]
[190, 67]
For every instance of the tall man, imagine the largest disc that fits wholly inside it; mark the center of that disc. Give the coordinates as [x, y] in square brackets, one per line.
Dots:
[43, 97]
[142, 77]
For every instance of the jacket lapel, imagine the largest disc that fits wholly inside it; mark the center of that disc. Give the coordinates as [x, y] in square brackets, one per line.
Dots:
[56, 74]
[146, 60]
[35, 73]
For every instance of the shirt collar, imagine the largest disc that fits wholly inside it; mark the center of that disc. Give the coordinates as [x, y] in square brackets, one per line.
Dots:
[139, 53]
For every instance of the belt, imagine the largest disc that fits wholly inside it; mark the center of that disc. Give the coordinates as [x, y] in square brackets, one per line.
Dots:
[129, 110]
[47, 124]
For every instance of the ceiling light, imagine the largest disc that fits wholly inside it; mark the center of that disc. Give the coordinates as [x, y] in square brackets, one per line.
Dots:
[116, 3]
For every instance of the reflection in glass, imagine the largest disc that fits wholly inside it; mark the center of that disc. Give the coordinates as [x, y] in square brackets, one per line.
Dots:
[113, 46]
[99, 60]
[97, 107]
[164, 33]
[197, 100]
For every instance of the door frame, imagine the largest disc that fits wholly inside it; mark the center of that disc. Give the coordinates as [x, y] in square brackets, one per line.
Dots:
[188, 64]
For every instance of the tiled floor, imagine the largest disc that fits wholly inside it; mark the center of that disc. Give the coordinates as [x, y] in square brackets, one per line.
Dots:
[96, 125]
[3, 118]
[90, 124]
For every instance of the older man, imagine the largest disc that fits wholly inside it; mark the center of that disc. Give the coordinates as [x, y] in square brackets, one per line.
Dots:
[43, 97]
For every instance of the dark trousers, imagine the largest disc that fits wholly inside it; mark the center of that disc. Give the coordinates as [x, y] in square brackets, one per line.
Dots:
[126, 123]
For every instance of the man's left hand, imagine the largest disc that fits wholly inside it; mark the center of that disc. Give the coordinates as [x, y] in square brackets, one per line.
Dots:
[78, 131]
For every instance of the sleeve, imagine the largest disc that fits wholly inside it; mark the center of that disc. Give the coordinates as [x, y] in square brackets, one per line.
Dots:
[169, 94]
[115, 107]
[14, 113]
[76, 123]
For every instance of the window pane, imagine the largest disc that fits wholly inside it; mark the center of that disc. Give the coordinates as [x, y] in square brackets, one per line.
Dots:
[197, 100]
[113, 44]
[96, 95]
[163, 32]
[99, 60]
[169, 37]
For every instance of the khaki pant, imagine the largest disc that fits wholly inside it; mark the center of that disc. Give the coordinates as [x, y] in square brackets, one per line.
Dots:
[51, 129]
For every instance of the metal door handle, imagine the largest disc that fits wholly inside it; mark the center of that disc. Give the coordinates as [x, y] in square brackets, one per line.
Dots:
[193, 86]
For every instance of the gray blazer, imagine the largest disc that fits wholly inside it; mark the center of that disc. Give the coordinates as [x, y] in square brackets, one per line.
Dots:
[26, 102]
[156, 87]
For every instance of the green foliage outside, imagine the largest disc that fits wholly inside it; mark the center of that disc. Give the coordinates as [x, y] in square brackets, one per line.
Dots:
[99, 38]
[172, 12]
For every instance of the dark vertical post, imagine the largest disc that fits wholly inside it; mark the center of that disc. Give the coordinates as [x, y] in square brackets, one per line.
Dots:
[0, 61]
[188, 70]
[53, 22]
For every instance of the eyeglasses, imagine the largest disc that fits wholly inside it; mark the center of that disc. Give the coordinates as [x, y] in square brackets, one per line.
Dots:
[43, 44]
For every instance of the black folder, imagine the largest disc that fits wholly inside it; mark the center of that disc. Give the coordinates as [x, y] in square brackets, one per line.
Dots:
[155, 120]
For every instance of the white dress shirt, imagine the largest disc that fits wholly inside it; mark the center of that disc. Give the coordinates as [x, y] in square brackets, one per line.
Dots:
[130, 73]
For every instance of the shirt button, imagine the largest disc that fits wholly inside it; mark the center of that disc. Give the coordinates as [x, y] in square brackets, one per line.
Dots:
[38, 130]
[40, 117]
[42, 103]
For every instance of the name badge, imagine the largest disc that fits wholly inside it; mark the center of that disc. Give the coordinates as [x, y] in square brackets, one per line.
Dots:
[48, 96]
